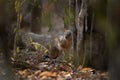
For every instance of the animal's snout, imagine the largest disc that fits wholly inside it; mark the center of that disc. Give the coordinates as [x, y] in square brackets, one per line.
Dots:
[68, 34]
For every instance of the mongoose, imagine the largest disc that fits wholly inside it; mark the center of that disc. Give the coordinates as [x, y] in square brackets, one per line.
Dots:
[64, 44]
[65, 41]
[55, 45]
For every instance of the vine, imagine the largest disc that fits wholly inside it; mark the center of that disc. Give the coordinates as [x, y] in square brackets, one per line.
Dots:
[17, 29]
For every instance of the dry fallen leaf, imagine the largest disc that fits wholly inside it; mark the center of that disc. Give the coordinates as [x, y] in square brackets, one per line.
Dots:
[23, 73]
[37, 73]
[86, 70]
[48, 74]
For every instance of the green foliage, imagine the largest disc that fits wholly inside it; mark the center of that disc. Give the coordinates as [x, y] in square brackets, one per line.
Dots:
[17, 30]
[17, 5]
[46, 19]
[29, 41]
[17, 49]
[69, 17]
[40, 47]
[66, 17]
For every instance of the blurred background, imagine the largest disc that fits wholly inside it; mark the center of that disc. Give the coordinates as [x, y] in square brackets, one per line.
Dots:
[94, 24]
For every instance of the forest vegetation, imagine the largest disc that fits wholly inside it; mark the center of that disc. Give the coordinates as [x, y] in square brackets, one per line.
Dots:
[59, 39]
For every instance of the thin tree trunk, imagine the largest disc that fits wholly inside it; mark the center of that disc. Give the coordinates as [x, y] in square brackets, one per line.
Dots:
[80, 30]
[72, 23]
[36, 17]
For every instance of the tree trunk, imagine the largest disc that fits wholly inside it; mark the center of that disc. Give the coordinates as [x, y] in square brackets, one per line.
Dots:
[36, 16]
[95, 35]
[80, 29]
[7, 16]
[113, 38]
[72, 22]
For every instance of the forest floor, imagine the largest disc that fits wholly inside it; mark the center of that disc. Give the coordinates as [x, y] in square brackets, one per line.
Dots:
[59, 71]
[39, 67]
[35, 65]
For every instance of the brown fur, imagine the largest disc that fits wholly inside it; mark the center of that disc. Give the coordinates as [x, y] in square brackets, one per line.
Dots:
[64, 42]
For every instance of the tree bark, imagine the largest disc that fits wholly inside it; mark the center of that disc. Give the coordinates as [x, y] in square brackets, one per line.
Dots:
[7, 16]
[36, 17]
[113, 38]
[80, 29]
[72, 23]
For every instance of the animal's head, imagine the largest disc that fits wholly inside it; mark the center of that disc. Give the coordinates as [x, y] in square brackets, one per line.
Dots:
[64, 41]
[68, 34]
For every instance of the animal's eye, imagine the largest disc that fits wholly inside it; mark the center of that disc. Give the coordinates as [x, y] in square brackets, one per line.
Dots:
[68, 32]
